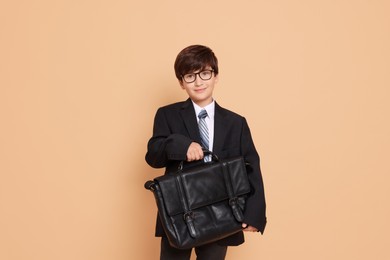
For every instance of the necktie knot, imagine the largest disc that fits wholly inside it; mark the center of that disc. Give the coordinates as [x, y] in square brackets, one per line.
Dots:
[202, 114]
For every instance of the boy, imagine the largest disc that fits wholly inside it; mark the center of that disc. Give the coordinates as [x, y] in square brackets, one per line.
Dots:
[182, 129]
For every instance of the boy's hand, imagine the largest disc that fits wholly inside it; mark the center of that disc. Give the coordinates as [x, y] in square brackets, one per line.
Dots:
[248, 228]
[194, 152]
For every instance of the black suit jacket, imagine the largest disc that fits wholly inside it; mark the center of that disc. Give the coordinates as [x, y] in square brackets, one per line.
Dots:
[175, 127]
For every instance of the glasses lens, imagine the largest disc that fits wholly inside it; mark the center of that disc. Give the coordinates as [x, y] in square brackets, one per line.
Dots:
[189, 78]
[206, 74]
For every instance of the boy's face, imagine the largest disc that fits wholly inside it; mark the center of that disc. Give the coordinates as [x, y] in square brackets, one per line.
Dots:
[200, 91]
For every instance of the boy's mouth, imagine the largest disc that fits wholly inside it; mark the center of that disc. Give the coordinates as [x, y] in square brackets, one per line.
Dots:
[200, 89]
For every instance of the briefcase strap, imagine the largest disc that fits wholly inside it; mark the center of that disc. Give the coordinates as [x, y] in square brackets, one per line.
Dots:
[188, 214]
[233, 199]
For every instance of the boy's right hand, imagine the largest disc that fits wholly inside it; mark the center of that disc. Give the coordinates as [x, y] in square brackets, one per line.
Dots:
[194, 152]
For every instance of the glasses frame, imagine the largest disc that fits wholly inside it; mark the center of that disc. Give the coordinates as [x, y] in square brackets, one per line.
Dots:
[197, 74]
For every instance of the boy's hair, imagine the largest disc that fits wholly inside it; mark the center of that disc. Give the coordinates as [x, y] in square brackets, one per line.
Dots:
[193, 58]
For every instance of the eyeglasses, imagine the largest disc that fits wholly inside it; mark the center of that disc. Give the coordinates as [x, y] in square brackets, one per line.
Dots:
[204, 74]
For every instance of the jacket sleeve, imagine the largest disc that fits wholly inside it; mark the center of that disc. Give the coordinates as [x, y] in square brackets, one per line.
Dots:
[164, 145]
[255, 213]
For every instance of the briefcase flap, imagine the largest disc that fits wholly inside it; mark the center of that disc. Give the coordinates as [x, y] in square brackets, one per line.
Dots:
[203, 185]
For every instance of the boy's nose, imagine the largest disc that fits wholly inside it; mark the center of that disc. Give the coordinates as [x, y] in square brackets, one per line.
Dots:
[198, 81]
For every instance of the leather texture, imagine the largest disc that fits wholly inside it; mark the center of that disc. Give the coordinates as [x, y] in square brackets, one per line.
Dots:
[202, 204]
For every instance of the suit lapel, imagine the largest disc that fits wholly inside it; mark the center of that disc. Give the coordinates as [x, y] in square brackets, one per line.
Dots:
[188, 115]
[219, 129]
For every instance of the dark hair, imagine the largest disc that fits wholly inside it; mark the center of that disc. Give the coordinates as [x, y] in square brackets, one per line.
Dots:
[195, 57]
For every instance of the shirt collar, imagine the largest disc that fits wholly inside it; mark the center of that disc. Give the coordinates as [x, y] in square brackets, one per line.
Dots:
[210, 108]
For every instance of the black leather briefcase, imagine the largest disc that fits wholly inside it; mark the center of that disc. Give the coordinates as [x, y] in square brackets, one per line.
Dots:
[202, 204]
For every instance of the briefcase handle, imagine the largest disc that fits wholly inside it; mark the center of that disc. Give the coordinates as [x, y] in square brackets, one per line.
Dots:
[214, 158]
[213, 155]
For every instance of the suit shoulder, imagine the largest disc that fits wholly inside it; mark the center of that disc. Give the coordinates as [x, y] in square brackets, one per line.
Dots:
[173, 106]
[230, 113]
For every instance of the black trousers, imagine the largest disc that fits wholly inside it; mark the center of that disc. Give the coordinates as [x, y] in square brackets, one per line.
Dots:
[211, 251]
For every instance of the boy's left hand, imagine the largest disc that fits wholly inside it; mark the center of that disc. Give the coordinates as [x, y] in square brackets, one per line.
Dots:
[248, 228]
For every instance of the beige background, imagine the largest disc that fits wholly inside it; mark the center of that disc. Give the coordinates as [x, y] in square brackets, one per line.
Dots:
[80, 83]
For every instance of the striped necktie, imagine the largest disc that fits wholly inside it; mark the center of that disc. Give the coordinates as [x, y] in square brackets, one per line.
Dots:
[203, 129]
